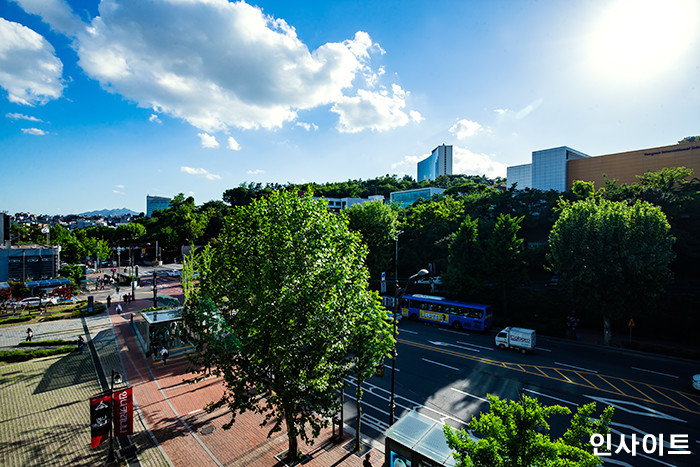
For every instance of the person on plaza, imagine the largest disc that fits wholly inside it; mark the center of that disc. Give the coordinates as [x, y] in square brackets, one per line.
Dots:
[81, 344]
[119, 308]
[117, 290]
[164, 354]
[109, 301]
[30, 333]
[366, 462]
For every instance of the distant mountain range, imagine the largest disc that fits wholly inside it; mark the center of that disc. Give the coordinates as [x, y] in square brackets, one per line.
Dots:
[109, 212]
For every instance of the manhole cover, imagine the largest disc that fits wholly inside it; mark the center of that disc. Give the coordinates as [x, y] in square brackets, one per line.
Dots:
[207, 430]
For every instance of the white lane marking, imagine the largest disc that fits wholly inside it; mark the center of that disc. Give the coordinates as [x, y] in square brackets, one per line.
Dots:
[406, 330]
[445, 344]
[551, 397]
[474, 345]
[577, 367]
[454, 332]
[389, 367]
[620, 404]
[470, 395]
[441, 364]
[655, 372]
[194, 411]
[544, 350]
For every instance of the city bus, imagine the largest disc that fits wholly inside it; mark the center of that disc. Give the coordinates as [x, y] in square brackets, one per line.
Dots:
[440, 310]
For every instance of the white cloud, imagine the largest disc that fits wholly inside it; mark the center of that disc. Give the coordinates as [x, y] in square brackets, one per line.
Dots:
[416, 116]
[56, 13]
[121, 187]
[233, 144]
[467, 162]
[465, 128]
[501, 111]
[154, 118]
[377, 111]
[16, 116]
[33, 131]
[255, 172]
[242, 68]
[308, 126]
[408, 164]
[30, 72]
[208, 141]
[118, 192]
[200, 171]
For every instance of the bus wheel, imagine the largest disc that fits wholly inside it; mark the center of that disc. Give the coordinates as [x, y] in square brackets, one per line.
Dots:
[414, 317]
[502, 346]
[457, 326]
[523, 351]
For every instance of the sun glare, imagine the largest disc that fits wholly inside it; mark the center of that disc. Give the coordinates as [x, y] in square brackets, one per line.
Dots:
[642, 38]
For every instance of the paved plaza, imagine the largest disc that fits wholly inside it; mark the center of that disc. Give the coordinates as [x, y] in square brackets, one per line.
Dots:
[44, 403]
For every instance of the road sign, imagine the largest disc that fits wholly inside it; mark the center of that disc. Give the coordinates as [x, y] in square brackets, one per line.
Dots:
[631, 323]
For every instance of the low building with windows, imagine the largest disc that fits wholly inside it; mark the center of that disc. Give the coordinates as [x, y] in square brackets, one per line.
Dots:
[154, 203]
[338, 204]
[406, 198]
[29, 262]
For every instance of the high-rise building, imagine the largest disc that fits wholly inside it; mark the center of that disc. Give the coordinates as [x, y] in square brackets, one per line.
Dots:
[153, 203]
[438, 163]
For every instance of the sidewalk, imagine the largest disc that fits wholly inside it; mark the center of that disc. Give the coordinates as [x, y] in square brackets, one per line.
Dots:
[172, 409]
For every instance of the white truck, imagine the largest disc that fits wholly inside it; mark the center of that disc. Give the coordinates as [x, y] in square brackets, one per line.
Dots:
[516, 338]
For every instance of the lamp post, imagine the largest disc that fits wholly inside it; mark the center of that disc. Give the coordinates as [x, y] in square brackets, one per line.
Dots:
[396, 261]
[116, 378]
[397, 299]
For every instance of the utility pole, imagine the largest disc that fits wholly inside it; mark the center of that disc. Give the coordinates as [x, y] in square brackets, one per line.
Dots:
[155, 290]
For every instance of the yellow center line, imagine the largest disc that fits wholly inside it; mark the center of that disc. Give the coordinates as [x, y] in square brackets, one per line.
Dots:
[519, 368]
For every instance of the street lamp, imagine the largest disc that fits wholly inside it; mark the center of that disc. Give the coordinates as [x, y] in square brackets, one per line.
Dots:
[116, 378]
[397, 299]
[396, 262]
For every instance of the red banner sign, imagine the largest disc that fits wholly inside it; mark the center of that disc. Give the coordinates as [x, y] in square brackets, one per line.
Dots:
[100, 418]
[123, 412]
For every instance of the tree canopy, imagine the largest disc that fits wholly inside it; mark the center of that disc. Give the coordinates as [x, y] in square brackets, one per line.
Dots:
[516, 433]
[274, 308]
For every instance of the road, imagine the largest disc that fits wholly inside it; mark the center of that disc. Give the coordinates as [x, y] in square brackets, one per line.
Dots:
[446, 375]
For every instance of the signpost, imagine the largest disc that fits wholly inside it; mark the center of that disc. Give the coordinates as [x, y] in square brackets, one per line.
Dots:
[630, 325]
[111, 414]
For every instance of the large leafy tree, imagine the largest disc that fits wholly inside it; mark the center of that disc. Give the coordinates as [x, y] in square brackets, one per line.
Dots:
[377, 223]
[274, 307]
[465, 269]
[503, 256]
[611, 256]
[516, 433]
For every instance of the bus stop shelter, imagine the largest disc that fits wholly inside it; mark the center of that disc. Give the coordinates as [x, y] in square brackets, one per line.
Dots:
[158, 329]
[417, 441]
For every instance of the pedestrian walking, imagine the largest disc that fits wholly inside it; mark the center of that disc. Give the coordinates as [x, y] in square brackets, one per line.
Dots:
[164, 354]
[81, 344]
[367, 462]
[30, 333]
[117, 290]
[119, 309]
[109, 301]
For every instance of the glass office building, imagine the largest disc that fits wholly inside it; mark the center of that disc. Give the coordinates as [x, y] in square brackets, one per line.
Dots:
[438, 163]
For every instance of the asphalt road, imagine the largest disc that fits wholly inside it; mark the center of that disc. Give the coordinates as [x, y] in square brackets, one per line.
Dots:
[446, 376]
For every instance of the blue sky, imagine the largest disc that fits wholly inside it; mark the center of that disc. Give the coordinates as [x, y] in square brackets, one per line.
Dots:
[102, 103]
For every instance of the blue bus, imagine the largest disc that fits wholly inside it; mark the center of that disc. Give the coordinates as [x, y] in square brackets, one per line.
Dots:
[440, 310]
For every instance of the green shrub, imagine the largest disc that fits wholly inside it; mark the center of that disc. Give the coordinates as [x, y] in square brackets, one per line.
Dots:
[45, 343]
[24, 355]
[154, 308]
[15, 319]
[54, 317]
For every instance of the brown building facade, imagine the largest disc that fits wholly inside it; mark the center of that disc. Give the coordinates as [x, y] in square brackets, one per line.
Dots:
[625, 166]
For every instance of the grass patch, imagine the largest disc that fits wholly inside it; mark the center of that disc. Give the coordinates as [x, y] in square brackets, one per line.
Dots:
[16, 319]
[24, 355]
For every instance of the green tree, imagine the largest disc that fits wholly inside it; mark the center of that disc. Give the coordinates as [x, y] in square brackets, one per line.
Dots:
[503, 256]
[273, 310]
[516, 433]
[129, 234]
[377, 223]
[610, 255]
[465, 269]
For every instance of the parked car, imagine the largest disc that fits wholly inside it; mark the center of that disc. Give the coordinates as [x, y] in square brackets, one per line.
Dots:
[30, 302]
[696, 382]
[553, 281]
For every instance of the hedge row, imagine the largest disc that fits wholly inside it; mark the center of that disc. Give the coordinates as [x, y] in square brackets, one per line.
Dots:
[15, 319]
[24, 355]
[45, 343]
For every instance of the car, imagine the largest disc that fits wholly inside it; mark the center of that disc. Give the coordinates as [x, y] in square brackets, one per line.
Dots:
[90, 271]
[30, 302]
[696, 382]
[553, 281]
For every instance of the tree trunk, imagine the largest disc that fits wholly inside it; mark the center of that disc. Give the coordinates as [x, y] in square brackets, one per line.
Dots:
[358, 396]
[607, 330]
[293, 451]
